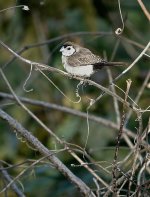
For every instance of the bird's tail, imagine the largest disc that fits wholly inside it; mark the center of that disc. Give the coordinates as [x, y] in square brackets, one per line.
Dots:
[102, 64]
[114, 64]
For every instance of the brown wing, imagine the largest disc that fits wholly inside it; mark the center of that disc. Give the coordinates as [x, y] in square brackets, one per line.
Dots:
[83, 57]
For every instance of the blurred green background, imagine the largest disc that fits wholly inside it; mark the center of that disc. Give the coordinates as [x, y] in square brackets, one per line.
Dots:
[47, 20]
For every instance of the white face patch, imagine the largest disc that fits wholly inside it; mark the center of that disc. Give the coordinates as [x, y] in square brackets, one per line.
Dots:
[67, 51]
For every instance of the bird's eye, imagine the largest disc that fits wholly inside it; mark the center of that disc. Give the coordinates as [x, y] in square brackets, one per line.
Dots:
[68, 48]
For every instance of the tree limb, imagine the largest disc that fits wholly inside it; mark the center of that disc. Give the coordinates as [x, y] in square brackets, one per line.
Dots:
[20, 130]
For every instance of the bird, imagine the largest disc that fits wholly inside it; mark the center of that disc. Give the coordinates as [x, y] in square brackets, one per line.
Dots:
[80, 61]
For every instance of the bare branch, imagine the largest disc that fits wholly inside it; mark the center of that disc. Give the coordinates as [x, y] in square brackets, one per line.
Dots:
[47, 105]
[84, 189]
[8, 180]
[52, 69]
[114, 170]
[147, 14]
[50, 131]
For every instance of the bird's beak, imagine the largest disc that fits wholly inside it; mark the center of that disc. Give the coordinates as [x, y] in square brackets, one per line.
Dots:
[62, 48]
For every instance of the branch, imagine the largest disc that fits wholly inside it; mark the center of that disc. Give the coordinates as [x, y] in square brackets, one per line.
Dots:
[50, 131]
[39, 66]
[123, 117]
[147, 14]
[13, 185]
[74, 112]
[20, 130]
[134, 62]
[66, 36]
[140, 92]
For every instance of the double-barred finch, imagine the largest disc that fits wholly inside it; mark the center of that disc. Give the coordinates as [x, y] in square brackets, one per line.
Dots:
[81, 61]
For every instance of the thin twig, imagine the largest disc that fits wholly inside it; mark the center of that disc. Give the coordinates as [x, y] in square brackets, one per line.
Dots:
[147, 14]
[114, 170]
[137, 151]
[133, 63]
[24, 7]
[141, 46]
[116, 106]
[23, 171]
[120, 30]
[140, 91]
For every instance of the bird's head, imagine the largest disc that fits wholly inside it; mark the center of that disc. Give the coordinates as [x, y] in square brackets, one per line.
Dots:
[69, 48]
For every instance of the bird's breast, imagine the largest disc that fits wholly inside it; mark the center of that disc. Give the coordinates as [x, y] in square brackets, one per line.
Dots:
[82, 71]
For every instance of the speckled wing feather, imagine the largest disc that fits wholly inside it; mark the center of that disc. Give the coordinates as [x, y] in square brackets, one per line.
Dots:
[83, 57]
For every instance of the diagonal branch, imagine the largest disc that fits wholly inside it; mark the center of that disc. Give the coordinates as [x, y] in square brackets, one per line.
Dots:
[13, 185]
[147, 14]
[39, 66]
[20, 130]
